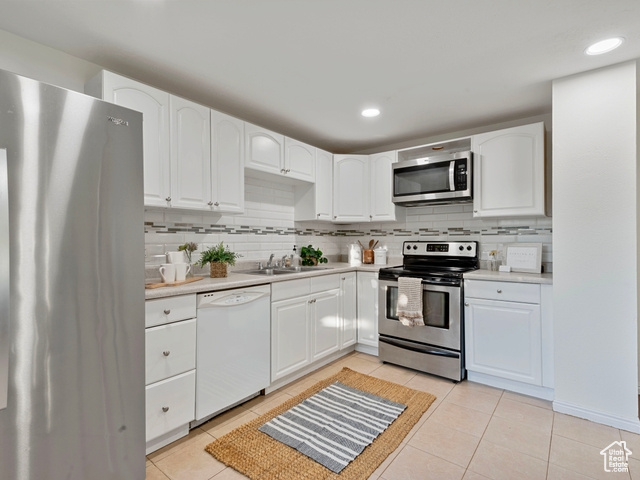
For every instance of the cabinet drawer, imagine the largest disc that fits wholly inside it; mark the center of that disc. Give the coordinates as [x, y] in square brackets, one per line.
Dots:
[507, 291]
[160, 311]
[324, 283]
[170, 404]
[290, 289]
[170, 350]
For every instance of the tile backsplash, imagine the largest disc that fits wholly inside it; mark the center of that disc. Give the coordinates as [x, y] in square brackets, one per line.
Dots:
[268, 226]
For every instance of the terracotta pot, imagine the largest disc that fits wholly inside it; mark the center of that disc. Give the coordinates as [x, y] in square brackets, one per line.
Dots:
[217, 270]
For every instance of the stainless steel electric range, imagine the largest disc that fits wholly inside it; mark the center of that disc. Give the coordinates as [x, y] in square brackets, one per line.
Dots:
[438, 346]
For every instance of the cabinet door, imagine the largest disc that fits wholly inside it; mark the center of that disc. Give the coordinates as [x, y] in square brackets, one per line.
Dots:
[348, 309]
[227, 163]
[154, 105]
[326, 323]
[504, 339]
[382, 208]
[350, 188]
[290, 334]
[324, 185]
[509, 172]
[190, 154]
[264, 149]
[368, 308]
[299, 160]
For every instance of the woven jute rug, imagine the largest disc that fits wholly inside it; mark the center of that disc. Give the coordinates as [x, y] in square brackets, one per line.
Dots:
[260, 457]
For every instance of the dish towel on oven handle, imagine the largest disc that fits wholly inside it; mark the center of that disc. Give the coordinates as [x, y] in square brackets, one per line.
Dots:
[409, 306]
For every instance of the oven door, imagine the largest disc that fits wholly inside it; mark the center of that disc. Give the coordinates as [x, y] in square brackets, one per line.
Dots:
[440, 308]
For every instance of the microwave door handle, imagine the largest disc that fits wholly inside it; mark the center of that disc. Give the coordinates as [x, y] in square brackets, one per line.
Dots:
[452, 169]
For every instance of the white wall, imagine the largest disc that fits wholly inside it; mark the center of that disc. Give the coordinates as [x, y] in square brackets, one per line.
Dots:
[44, 64]
[596, 245]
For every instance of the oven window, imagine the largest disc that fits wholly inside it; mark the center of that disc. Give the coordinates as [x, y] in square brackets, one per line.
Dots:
[422, 179]
[435, 307]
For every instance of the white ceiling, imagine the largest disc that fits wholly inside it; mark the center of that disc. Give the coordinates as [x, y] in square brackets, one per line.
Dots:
[307, 67]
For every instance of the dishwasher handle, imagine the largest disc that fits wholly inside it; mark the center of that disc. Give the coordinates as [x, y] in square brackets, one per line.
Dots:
[230, 299]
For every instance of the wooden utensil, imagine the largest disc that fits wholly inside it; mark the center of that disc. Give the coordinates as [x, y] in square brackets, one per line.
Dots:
[370, 244]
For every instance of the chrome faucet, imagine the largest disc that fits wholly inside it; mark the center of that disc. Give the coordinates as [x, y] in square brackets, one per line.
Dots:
[269, 264]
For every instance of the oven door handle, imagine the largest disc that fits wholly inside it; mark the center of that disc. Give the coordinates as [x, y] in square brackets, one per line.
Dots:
[420, 349]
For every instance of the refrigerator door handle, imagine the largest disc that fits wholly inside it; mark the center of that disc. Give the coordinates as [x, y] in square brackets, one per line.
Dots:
[5, 256]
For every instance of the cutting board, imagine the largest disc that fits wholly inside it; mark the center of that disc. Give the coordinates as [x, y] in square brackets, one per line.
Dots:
[174, 284]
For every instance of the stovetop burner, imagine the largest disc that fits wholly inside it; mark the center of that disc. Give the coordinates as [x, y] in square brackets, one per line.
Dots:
[435, 262]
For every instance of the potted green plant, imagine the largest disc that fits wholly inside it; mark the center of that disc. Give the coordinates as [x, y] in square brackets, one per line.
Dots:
[311, 256]
[218, 257]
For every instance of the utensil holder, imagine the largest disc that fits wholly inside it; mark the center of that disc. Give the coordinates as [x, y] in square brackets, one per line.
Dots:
[367, 256]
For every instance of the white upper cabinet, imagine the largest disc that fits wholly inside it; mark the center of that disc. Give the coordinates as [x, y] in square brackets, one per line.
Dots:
[509, 172]
[190, 154]
[299, 160]
[227, 163]
[362, 188]
[382, 209]
[154, 105]
[264, 149]
[351, 188]
[315, 201]
[271, 152]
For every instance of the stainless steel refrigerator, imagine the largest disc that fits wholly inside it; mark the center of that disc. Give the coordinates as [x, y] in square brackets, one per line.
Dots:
[71, 286]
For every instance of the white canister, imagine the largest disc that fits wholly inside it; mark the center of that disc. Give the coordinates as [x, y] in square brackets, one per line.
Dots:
[355, 255]
[380, 256]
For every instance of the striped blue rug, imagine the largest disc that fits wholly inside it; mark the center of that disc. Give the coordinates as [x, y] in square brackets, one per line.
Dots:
[335, 425]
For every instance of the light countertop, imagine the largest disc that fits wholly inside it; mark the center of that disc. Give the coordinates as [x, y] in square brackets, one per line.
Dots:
[539, 278]
[238, 280]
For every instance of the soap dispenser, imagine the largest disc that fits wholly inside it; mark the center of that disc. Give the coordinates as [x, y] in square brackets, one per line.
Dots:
[296, 261]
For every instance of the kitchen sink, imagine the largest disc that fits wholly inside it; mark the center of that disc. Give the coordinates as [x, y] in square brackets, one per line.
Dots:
[280, 270]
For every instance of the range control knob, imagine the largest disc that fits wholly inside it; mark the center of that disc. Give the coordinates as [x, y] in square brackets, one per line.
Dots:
[461, 248]
[408, 247]
[469, 247]
[415, 247]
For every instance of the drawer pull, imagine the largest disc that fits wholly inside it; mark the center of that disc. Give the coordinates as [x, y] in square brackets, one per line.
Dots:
[165, 409]
[166, 353]
[499, 291]
[167, 311]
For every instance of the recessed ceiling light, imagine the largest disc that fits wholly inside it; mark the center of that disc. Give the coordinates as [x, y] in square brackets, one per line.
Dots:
[370, 112]
[604, 46]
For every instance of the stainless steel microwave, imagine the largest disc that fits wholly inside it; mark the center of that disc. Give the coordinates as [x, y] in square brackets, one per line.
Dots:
[436, 180]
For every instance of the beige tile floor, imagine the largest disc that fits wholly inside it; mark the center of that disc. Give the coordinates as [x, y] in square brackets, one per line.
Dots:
[471, 432]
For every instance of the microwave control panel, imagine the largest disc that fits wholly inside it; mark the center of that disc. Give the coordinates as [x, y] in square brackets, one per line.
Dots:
[460, 174]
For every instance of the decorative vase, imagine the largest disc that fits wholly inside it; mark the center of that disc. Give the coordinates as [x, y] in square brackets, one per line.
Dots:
[217, 270]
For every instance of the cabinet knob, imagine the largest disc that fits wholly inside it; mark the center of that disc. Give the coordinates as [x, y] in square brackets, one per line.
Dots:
[318, 215]
[167, 311]
[499, 291]
[282, 170]
[475, 211]
[210, 203]
[335, 216]
[466, 304]
[370, 217]
[168, 199]
[165, 409]
[166, 353]
[217, 204]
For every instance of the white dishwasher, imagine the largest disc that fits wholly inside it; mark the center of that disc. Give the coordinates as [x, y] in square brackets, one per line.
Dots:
[233, 348]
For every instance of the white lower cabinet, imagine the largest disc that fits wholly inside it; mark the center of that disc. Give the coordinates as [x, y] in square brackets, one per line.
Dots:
[307, 321]
[170, 404]
[348, 309]
[290, 334]
[325, 321]
[170, 363]
[504, 331]
[367, 294]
